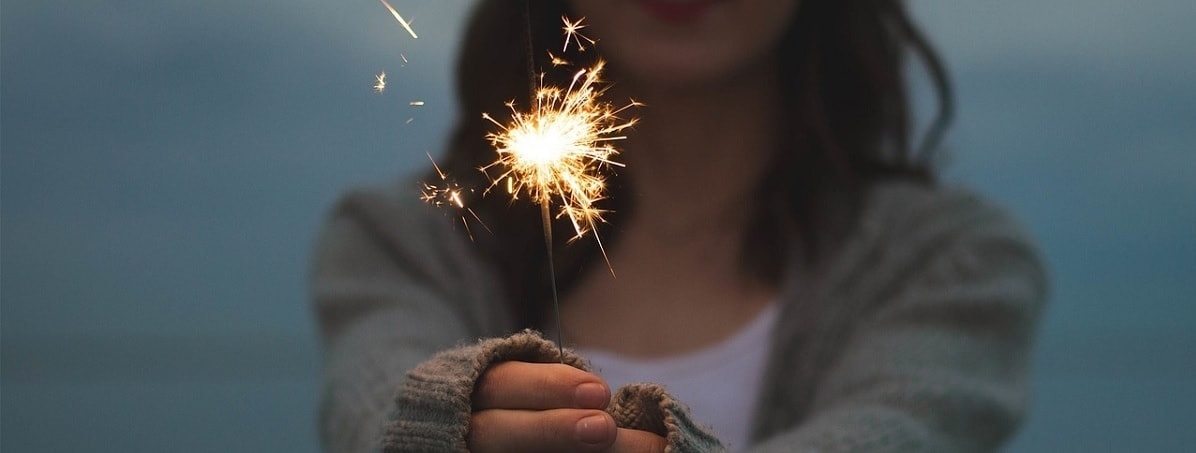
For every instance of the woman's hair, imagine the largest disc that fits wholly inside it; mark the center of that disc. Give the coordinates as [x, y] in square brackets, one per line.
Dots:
[845, 101]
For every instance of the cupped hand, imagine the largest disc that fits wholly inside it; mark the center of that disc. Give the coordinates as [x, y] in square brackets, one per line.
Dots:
[550, 408]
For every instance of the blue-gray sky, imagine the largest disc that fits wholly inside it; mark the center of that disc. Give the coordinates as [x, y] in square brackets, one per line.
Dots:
[166, 165]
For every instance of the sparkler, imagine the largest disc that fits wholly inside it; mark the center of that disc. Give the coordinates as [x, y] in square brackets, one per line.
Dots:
[555, 154]
[557, 151]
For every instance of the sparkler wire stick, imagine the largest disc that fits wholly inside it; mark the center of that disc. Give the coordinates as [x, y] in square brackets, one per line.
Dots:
[556, 151]
[544, 215]
[556, 303]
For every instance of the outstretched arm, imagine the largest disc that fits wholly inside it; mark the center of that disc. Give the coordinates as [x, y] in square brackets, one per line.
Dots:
[392, 285]
[937, 359]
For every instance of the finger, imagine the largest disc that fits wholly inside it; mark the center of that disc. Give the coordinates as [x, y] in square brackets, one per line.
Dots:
[523, 385]
[549, 431]
[636, 441]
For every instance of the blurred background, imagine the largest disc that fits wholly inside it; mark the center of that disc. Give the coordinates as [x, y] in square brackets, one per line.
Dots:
[166, 165]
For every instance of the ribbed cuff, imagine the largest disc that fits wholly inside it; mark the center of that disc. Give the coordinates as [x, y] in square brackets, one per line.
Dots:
[432, 408]
[648, 407]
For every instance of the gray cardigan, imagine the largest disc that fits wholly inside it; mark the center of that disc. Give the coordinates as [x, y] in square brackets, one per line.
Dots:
[913, 336]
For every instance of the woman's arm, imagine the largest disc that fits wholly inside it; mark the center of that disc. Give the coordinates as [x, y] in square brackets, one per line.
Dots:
[400, 299]
[392, 284]
[937, 361]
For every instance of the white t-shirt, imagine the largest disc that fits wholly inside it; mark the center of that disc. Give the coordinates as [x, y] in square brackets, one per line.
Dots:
[720, 384]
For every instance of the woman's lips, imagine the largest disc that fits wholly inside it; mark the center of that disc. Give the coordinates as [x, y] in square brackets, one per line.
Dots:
[676, 10]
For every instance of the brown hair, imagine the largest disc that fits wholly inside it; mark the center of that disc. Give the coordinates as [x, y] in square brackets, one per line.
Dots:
[842, 72]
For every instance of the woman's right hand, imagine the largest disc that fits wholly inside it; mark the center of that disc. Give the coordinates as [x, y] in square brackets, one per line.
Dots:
[550, 408]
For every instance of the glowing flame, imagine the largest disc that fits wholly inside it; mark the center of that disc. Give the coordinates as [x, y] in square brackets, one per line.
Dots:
[556, 152]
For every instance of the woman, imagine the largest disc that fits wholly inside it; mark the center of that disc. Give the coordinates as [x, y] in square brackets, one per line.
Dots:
[786, 264]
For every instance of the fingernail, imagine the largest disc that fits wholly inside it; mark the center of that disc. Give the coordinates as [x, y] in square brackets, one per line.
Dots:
[591, 396]
[593, 430]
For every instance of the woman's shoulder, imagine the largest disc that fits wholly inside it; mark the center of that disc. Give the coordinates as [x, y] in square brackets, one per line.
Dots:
[917, 243]
[907, 229]
[915, 213]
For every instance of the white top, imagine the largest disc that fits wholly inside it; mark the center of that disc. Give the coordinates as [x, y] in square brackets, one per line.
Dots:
[720, 384]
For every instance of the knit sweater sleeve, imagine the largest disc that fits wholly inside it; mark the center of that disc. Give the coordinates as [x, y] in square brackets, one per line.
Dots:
[944, 294]
[392, 284]
[400, 297]
[433, 407]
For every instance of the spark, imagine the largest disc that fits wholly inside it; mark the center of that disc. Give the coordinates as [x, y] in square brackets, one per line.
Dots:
[573, 34]
[449, 193]
[406, 25]
[557, 61]
[416, 103]
[404, 57]
[557, 152]
[381, 85]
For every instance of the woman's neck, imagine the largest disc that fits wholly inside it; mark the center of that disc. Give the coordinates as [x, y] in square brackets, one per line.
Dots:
[696, 158]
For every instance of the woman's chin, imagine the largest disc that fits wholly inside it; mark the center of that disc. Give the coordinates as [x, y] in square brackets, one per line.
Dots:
[673, 72]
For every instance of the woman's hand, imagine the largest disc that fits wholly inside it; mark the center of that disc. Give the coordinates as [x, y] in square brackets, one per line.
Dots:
[548, 407]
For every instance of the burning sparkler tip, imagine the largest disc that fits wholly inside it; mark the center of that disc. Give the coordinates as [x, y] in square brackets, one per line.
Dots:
[556, 153]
